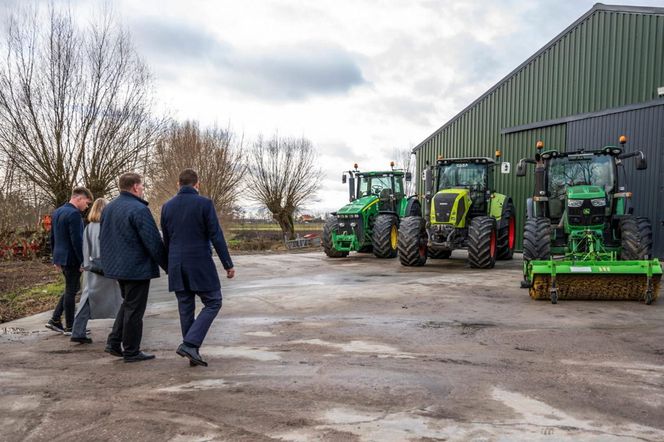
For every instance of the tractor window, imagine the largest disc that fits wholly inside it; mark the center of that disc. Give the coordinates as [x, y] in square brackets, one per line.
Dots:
[372, 185]
[398, 185]
[575, 170]
[564, 172]
[469, 175]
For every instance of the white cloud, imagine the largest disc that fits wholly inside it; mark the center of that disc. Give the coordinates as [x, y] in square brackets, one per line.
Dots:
[358, 78]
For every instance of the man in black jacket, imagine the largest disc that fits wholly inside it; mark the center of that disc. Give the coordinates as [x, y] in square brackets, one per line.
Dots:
[131, 252]
[67, 250]
[189, 224]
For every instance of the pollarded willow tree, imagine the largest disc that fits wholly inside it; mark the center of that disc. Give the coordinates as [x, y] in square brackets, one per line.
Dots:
[75, 104]
[283, 174]
[215, 154]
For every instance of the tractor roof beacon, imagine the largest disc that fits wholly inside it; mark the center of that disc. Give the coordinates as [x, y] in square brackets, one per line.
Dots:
[581, 237]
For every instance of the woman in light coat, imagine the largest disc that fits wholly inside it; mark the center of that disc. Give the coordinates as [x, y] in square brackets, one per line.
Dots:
[101, 296]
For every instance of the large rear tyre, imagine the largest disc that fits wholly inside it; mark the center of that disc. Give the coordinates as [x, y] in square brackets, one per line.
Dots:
[482, 242]
[412, 243]
[636, 238]
[328, 246]
[439, 254]
[385, 236]
[507, 233]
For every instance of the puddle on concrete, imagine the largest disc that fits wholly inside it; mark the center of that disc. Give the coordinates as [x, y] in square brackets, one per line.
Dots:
[255, 353]
[359, 347]
[630, 367]
[261, 334]
[535, 420]
[19, 403]
[204, 384]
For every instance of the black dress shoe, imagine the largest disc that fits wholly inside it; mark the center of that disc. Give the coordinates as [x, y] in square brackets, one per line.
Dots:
[140, 356]
[85, 340]
[187, 351]
[113, 351]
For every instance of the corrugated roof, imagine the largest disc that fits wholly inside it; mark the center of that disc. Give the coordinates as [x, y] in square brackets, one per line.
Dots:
[596, 8]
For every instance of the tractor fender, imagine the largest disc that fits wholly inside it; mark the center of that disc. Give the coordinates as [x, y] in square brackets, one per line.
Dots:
[413, 207]
[499, 203]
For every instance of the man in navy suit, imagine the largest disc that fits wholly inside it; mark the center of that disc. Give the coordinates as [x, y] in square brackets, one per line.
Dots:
[131, 252]
[67, 250]
[189, 224]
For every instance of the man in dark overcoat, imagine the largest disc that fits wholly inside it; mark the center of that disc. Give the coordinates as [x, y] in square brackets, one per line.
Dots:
[67, 250]
[189, 224]
[131, 252]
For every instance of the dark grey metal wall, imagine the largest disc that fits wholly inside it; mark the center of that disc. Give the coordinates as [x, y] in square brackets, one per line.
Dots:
[644, 129]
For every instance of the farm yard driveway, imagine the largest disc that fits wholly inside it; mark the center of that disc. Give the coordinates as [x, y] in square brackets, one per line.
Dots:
[308, 348]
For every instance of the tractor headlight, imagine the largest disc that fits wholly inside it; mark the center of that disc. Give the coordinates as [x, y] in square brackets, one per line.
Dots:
[575, 203]
[598, 202]
[353, 224]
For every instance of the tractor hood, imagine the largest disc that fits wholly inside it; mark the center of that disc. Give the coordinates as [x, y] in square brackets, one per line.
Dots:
[357, 206]
[585, 192]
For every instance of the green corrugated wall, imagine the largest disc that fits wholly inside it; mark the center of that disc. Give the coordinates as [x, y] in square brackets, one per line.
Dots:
[609, 59]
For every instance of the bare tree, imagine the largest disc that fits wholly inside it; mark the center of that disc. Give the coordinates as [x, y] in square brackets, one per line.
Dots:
[214, 153]
[75, 105]
[405, 159]
[283, 174]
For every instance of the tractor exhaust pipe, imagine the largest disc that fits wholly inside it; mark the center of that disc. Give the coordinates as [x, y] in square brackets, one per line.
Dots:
[428, 192]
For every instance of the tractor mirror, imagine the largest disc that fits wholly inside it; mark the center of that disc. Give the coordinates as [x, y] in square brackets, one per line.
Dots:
[343, 178]
[641, 163]
[409, 176]
[505, 167]
[428, 182]
[521, 168]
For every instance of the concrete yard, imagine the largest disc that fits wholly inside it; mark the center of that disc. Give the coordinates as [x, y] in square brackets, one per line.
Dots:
[309, 348]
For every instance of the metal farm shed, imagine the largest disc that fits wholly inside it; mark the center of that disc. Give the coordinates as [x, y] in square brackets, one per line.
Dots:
[600, 78]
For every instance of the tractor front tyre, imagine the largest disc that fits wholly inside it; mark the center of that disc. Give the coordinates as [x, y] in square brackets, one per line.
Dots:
[537, 239]
[482, 242]
[439, 254]
[328, 246]
[507, 234]
[636, 238]
[385, 236]
[412, 242]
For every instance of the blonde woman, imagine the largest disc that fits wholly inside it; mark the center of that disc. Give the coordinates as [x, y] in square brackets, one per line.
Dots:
[101, 296]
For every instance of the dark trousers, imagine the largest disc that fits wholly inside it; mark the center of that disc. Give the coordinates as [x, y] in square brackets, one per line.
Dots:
[67, 302]
[194, 330]
[128, 325]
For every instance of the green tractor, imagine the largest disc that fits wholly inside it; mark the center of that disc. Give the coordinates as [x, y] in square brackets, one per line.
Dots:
[370, 222]
[461, 211]
[581, 238]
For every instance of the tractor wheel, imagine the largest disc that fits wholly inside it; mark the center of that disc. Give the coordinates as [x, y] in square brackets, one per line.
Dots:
[412, 241]
[330, 226]
[636, 238]
[439, 254]
[537, 239]
[385, 236]
[507, 234]
[482, 242]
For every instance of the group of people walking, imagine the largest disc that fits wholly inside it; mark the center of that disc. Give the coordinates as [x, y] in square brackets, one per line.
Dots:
[120, 251]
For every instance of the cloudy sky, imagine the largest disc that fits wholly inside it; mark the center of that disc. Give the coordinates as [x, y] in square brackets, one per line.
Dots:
[358, 78]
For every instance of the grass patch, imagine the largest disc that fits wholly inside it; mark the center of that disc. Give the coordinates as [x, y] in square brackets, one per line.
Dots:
[28, 301]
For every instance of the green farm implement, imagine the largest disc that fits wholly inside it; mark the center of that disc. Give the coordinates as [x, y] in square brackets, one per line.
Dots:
[581, 237]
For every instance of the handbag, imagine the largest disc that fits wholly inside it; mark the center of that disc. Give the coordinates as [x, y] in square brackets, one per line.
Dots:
[95, 266]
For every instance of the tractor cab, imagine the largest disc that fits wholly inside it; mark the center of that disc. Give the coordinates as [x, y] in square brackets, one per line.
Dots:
[387, 186]
[473, 174]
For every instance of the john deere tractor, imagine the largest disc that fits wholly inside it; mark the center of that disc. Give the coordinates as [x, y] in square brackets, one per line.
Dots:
[582, 239]
[370, 222]
[461, 211]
